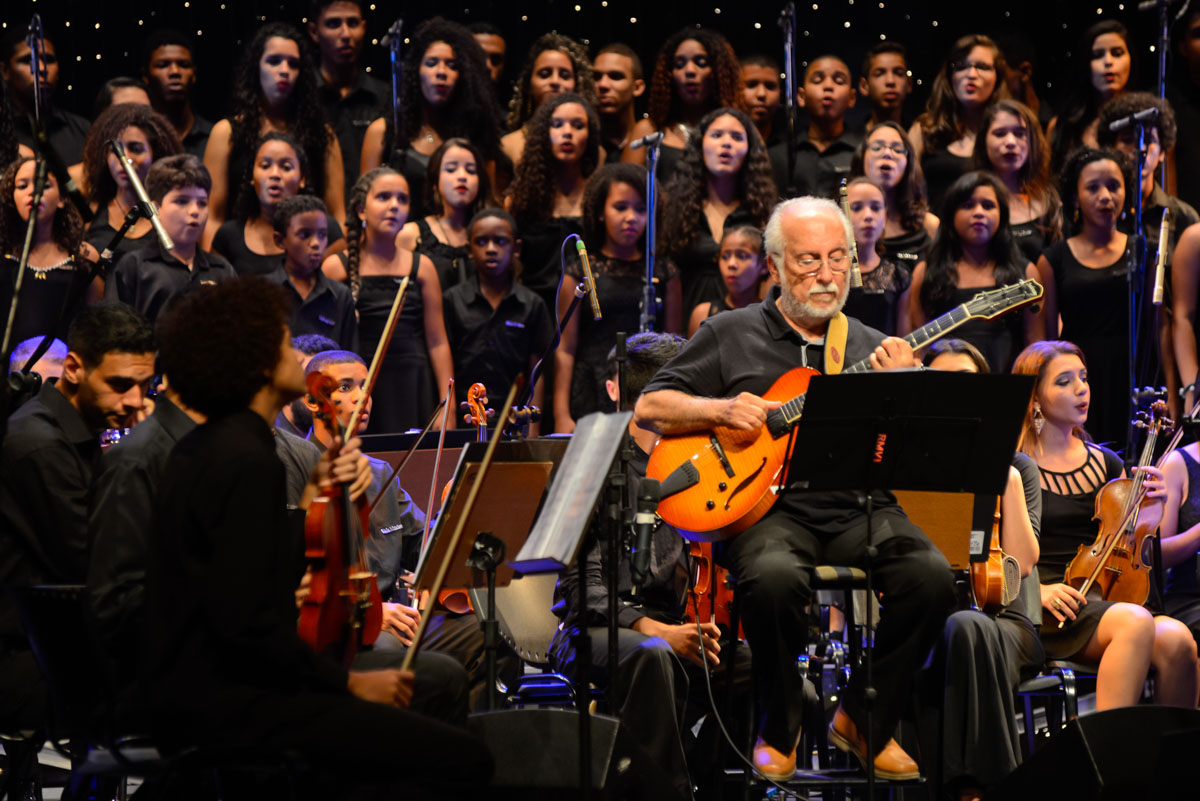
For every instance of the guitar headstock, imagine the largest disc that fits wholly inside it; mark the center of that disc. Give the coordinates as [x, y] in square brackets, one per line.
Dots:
[995, 302]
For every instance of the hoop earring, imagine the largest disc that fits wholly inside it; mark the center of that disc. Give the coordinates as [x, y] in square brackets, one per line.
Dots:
[1039, 419]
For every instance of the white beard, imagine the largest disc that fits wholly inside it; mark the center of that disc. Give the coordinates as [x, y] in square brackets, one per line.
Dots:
[803, 313]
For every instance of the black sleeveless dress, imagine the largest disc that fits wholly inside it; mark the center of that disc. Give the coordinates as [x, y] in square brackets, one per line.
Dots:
[907, 249]
[1031, 236]
[1068, 503]
[1182, 592]
[230, 242]
[941, 170]
[404, 394]
[43, 293]
[877, 302]
[999, 339]
[453, 266]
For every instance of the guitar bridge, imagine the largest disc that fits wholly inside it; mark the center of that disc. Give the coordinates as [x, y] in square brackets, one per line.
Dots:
[720, 452]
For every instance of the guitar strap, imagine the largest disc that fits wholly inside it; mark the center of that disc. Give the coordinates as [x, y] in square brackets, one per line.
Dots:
[835, 344]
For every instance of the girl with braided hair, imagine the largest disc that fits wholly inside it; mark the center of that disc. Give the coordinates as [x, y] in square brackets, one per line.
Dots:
[417, 368]
[696, 71]
[275, 89]
[446, 93]
[723, 179]
[556, 64]
[58, 259]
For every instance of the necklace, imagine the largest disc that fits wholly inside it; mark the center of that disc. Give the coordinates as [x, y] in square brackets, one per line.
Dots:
[445, 235]
[40, 272]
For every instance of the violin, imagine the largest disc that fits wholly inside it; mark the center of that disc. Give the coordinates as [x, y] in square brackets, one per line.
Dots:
[1114, 565]
[343, 610]
[710, 590]
[996, 581]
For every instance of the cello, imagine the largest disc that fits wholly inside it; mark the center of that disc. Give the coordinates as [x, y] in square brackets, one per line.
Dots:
[1114, 565]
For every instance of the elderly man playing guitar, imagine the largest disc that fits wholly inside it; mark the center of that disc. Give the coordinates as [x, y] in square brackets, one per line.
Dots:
[718, 382]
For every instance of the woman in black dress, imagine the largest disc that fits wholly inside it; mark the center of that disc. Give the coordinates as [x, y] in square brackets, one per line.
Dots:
[1012, 146]
[879, 301]
[724, 179]
[886, 157]
[972, 78]
[275, 89]
[456, 187]
[1101, 64]
[696, 71]
[146, 135]
[556, 64]
[614, 228]
[1086, 283]
[59, 259]
[973, 252]
[445, 93]
[1124, 639]
[279, 171]
[418, 367]
[546, 199]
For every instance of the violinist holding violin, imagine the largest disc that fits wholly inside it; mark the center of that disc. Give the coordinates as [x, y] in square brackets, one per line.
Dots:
[1124, 638]
[224, 663]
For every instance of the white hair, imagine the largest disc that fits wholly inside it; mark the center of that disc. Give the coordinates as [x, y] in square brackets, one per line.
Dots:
[773, 238]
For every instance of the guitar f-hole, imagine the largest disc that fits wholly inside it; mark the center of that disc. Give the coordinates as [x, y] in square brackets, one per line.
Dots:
[749, 480]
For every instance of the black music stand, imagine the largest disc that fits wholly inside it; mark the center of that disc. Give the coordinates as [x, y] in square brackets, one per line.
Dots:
[912, 430]
[503, 513]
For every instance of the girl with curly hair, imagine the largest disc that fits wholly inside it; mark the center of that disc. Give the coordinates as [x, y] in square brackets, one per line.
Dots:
[446, 93]
[973, 77]
[614, 230]
[418, 367]
[556, 64]
[1101, 65]
[724, 179]
[146, 135]
[1086, 283]
[275, 89]
[457, 186]
[1013, 147]
[885, 156]
[59, 259]
[561, 152]
[279, 171]
[696, 71]
[974, 251]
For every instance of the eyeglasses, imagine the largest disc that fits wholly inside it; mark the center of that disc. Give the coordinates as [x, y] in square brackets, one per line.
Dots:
[811, 267]
[878, 146]
[979, 66]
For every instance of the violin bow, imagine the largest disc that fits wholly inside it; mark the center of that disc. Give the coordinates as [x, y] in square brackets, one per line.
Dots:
[412, 448]
[437, 463]
[439, 580]
[380, 350]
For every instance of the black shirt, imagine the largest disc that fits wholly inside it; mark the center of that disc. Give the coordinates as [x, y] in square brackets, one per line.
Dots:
[492, 346]
[197, 136]
[815, 172]
[328, 310]
[146, 279]
[368, 100]
[67, 133]
[46, 467]
[747, 350]
[224, 564]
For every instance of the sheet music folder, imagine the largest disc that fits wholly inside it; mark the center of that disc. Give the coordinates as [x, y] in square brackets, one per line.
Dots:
[564, 518]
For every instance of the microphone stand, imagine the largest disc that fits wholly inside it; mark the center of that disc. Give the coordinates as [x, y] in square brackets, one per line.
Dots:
[1135, 277]
[395, 41]
[787, 21]
[34, 38]
[649, 315]
[617, 518]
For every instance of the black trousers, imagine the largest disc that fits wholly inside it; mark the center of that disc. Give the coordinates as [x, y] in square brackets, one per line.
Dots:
[440, 686]
[770, 559]
[656, 694]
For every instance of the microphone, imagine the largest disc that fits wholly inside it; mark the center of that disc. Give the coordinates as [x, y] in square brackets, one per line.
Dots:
[149, 210]
[588, 278]
[646, 141]
[649, 491]
[1159, 265]
[1145, 115]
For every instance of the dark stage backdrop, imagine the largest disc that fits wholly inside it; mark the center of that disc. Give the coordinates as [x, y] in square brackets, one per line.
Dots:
[101, 39]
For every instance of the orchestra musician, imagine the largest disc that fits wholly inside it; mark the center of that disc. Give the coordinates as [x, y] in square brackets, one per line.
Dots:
[224, 664]
[718, 380]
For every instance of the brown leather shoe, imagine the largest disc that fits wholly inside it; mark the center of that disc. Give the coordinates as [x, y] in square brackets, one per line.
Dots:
[890, 763]
[774, 764]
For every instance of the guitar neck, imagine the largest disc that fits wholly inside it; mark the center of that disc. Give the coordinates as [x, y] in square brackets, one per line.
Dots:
[927, 333]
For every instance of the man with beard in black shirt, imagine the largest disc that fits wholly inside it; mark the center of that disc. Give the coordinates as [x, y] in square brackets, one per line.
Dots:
[719, 380]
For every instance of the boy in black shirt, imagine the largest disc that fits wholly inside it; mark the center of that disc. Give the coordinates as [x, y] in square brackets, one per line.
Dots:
[319, 305]
[147, 278]
[497, 327]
